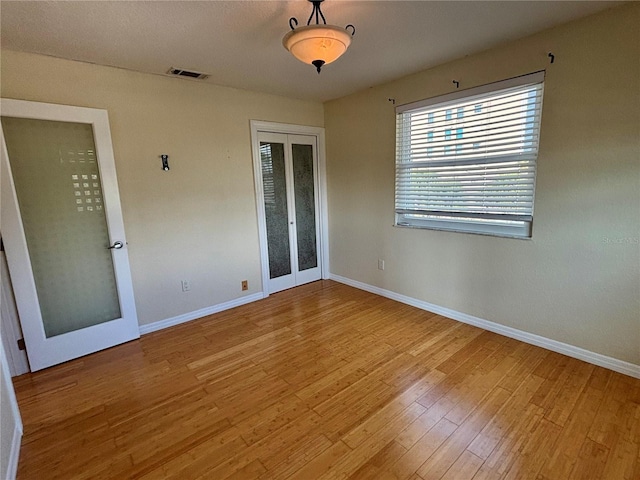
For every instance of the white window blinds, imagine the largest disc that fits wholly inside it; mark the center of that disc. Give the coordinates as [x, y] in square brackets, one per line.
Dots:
[467, 161]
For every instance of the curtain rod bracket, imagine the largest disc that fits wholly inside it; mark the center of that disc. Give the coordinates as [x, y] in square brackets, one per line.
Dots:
[552, 57]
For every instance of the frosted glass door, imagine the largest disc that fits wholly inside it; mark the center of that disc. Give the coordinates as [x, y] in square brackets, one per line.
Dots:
[59, 192]
[288, 165]
[63, 232]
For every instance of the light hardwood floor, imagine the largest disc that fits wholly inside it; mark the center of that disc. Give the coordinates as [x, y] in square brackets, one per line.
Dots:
[326, 381]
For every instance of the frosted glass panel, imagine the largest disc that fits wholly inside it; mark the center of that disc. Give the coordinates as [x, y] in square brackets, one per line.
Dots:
[275, 205]
[60, 197]
[303, 183]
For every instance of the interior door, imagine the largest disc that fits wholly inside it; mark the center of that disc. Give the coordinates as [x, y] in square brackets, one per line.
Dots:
[63, 231]
[290, 199]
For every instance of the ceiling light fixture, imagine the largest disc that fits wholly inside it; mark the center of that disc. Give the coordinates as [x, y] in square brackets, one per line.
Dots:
[317, 44]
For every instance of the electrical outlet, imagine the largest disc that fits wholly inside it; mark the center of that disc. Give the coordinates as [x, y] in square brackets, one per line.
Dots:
[380, 264]
[186, 285]
[245, 285]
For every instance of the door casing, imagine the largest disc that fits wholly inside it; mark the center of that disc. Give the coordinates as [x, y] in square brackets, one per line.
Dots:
[317, 132]
[10, 328]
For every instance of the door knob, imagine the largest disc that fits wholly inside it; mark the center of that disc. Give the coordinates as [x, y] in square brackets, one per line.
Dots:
[116, 246]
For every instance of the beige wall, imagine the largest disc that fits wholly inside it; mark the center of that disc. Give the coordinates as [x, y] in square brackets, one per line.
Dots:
[578, 279]
[197, 222]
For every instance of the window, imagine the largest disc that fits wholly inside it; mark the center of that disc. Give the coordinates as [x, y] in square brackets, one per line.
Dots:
[480, 179]
[459, 135]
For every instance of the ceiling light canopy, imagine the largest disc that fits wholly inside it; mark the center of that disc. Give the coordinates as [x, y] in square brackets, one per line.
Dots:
[317, 44]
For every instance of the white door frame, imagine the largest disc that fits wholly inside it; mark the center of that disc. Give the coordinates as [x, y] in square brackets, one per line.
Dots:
[15, 423]
[318, 132]
[56, 349]
[10, 323]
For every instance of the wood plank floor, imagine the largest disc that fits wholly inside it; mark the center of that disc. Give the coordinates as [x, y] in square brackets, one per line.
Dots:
[328, 382]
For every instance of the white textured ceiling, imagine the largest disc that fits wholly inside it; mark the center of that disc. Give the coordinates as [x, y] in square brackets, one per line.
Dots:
[239, 42]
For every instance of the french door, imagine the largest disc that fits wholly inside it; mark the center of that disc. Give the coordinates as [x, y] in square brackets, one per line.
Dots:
[63, 231]
[290, 204]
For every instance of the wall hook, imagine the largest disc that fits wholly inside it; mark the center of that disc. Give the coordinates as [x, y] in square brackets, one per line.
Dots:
[552, 57]
[456, 83]
[165, 162]
[392, 100]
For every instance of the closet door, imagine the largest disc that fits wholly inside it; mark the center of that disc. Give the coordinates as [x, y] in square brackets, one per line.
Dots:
[290, 201]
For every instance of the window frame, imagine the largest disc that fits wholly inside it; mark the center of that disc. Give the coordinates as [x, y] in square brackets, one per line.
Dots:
[478, 223]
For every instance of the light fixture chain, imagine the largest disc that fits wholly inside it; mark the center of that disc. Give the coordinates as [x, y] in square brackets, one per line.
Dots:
[316, 10]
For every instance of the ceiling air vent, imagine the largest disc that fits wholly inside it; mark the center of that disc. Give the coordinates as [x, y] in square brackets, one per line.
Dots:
[181, 72]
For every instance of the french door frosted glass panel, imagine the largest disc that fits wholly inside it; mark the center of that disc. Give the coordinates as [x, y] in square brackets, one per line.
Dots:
[274, 182]
[59, 193]
[305, 205]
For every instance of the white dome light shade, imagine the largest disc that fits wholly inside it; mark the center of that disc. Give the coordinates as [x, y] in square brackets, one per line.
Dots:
[313, 43]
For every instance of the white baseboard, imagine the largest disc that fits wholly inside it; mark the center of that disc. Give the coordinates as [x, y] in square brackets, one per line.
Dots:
[14, 454]
[614, 364]
[203, 312]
